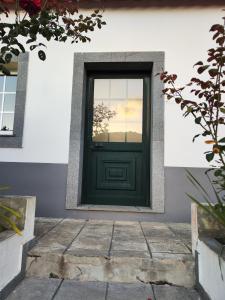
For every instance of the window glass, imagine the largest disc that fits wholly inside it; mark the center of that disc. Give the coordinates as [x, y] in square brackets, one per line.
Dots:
[117, 111]
[7, 122]
[7, 102]
[1, 83]
[10, 84]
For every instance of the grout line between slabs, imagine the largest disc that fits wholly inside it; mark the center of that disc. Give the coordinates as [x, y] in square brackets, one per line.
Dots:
[106, 290]
[179, 240]
[110, 246]
[153, 291]
[45, 233]
[146, 241]
[68, 246]
[57, 289]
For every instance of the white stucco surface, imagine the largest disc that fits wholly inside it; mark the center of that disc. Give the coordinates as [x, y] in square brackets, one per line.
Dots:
[11, 248]
[181, 33]
[211, 270]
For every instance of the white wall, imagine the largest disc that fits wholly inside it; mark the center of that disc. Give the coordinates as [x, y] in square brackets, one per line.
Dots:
[181, 33]
[211, 270]
[11, 247]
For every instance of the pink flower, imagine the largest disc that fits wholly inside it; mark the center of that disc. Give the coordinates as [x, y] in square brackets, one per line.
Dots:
[31, 6]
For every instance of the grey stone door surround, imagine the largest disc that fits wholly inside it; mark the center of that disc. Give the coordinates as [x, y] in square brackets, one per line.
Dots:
[152, 62]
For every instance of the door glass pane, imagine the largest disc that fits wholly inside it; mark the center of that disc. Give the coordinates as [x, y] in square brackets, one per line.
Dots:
[117, 113]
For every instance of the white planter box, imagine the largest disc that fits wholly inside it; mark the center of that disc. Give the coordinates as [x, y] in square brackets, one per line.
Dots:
[210, 253]
[211, 268]
[11, 244]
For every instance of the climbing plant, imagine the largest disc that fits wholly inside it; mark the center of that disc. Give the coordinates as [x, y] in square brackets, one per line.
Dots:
[25, 22]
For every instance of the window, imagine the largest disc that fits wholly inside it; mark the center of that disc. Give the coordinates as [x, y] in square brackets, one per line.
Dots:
[12, 103]
[7, 101]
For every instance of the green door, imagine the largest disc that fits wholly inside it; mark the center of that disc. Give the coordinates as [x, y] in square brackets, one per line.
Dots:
[116, 155]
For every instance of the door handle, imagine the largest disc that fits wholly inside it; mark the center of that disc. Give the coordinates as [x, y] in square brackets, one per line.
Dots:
[97, 146]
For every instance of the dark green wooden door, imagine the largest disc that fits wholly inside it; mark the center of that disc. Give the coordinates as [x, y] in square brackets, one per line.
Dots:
[116, 160]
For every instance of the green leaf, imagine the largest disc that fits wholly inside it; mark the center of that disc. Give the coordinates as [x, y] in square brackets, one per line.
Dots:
[198, 120]
[41, 55]
[8, 57]
[21, 47]
[197, 135]
[217, 173]
[32, 47]
[12, 224]
[4, 70]
[209, 156]
[199, 63]
[11, 210]
[15, 51]
[213, 72]
[222, 140]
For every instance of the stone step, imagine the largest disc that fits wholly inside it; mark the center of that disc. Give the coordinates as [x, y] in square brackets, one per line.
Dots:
[48, 289]
[107, 251]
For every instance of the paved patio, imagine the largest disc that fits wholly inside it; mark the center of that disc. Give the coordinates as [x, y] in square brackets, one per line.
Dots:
[99, 259]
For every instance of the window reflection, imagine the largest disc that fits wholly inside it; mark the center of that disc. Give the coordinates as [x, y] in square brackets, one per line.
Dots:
[118, 105]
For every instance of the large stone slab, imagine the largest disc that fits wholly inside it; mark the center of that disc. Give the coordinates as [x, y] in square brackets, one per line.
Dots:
[174, 271]
[94, 240]
[59, 238]
[181, 230]
[44, 225]
[45, 266]
[154, 231]
[35, 289]
[128, 240]
[174, 293]
[169, 246]
[81, 291]
[130, 291]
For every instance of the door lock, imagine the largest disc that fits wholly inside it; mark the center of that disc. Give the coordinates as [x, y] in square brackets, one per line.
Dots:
[97, 146]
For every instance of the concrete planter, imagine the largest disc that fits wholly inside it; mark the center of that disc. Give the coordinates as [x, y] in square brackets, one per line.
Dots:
[209, 253]
[12, 246]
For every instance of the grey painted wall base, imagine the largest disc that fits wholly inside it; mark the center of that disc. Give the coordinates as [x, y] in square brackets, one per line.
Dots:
[48, 183]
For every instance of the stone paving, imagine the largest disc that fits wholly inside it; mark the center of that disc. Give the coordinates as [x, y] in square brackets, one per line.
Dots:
[56, 289]
[112, 251]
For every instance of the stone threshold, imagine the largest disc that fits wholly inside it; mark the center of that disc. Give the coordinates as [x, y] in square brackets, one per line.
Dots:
[115, 208]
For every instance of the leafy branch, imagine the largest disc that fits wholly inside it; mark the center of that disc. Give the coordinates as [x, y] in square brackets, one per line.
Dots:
[49, 20]
[207, 108]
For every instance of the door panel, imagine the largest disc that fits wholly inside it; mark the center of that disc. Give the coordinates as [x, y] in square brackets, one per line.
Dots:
[115, 146]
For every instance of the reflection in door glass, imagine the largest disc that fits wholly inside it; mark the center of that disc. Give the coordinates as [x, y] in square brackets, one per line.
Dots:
[117, 113]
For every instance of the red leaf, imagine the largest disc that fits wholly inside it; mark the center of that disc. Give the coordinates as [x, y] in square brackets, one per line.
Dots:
[202, 69]
[31, 6]
[213, 72]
